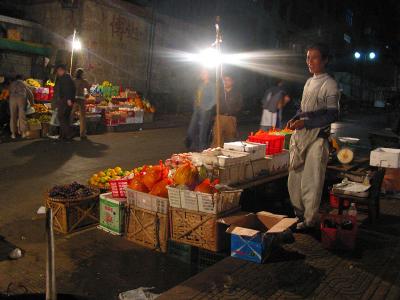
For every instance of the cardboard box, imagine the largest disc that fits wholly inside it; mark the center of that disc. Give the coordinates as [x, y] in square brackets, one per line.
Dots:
[253, 235]
[112, 213]
[33, 134]
[256, 151]
[385, 157]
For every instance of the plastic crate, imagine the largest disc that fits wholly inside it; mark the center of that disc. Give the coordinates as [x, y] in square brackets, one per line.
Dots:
[147, 201]
[274, 143]
[118, 187]
[338, 238]
[208, 258]
[185, 253]
[334, 201]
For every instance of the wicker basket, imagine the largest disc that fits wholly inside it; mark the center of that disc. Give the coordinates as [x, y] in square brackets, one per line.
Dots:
[147, 228]
[198, 229]
[74, 215]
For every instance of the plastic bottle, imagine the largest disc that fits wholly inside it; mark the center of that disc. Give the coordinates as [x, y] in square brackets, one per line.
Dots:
[352, 212]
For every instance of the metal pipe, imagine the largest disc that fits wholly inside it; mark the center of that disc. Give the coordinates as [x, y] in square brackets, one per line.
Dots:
[218, 78]
[72, 51]
[51, 293]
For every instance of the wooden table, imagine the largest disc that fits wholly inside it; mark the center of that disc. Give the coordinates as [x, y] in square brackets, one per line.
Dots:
[357, 171]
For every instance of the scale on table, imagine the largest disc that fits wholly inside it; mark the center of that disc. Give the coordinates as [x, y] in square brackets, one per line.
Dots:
[345, 148]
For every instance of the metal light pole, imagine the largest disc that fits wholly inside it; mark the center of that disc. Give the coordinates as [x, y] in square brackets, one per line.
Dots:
[218, 78]
[72, 51]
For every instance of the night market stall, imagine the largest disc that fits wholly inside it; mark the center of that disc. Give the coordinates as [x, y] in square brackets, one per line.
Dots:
[191, 202]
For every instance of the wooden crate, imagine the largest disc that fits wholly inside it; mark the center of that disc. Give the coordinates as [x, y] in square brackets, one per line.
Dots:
[147, 228]
[74, 215]
[198, 229]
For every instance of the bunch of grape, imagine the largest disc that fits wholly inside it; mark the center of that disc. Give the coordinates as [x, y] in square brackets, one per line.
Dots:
[70, 191]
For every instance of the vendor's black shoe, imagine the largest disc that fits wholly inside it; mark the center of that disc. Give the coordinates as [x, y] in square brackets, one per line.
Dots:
[302, 227]
[83, 138]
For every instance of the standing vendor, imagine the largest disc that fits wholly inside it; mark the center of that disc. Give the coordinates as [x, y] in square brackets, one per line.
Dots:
[203, 107]
[230, 106]
[309, 150]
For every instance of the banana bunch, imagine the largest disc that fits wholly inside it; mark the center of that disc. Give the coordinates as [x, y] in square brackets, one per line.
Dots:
[49, 83]
[106, 83]
[32, 82]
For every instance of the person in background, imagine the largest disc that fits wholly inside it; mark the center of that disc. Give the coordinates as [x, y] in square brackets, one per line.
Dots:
[64, 93]
[81, 85]
[200, 124]
[5, 105]
[273, 102]
[20, 95]
[309, 148]
[230, 105]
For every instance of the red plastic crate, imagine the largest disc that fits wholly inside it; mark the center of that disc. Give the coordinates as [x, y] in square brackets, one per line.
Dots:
[118, 187]
[334, 201]
[338, 238]
[274, 143]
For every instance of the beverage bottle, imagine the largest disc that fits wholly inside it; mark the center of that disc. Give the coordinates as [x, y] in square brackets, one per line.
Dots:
[352, 212]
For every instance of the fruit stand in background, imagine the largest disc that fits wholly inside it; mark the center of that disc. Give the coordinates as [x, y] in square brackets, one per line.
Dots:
[107, 105]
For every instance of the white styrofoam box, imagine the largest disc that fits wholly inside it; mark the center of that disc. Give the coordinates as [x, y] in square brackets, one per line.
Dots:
[147, 201]
[220, 157]
[257, 168]
[278, 162]
[385, 157]
[174, 197]
[189, 200]
[255, 150]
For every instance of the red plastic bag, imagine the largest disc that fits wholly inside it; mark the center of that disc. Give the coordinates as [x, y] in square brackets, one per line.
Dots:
[207, 186]
[154, 174]
[160, 188]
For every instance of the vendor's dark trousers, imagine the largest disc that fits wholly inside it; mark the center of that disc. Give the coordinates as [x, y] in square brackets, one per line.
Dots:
[199, 129]
[64, 117]
[79, 105]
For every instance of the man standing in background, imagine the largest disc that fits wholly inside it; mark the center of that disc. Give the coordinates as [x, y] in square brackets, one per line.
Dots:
[273, 102]
[230, 105]
[200, 124]
[64, 93]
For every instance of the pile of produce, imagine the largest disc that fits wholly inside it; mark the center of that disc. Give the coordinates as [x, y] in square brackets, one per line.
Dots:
[40, 108]
[50, 83]
[71, 191]
[189, 177]
[5, 93]
[32, 82]
[151, 179]
[44, 118]
[274, 131]
[33, 121]
[178, 160]
[102, 178]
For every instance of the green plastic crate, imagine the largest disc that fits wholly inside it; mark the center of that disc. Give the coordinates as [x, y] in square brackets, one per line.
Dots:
[208, 258]
[185, 253]
[112, 214]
